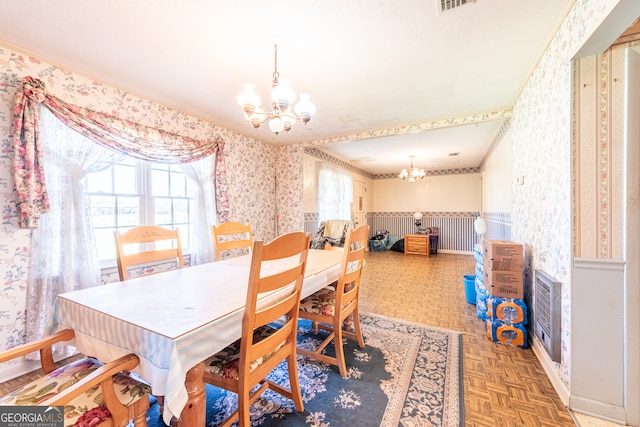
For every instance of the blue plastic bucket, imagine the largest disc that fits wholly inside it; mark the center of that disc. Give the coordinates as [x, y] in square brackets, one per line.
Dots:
[470, 288]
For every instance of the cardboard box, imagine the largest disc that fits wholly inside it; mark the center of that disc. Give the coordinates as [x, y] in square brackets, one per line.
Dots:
[501, 250]
[505, 284]
[494, 264]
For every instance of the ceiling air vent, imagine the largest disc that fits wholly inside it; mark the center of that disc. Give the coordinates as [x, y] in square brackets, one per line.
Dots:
[446, 5]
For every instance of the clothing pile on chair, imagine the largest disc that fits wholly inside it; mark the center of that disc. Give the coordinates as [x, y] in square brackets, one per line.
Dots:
[331, 232]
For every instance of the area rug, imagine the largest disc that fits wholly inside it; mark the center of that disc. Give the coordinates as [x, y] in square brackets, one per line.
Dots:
[408, 374]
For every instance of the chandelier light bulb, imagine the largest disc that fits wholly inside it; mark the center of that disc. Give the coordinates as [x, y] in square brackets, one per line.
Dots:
[283, 95]
[276, 125]
[288, 121]
[248, 99]
[305, 108]
[256, 118]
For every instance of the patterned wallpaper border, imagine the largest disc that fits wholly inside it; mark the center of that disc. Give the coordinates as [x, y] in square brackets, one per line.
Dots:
[425, 214]
[458, 171]
[497, 139]
[416, 127]
[317, 153]
[313, 216]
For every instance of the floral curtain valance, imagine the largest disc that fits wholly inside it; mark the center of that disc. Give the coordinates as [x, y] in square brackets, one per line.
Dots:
[125, 136]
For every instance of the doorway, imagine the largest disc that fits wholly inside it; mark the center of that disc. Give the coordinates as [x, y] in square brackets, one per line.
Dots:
[359, 209]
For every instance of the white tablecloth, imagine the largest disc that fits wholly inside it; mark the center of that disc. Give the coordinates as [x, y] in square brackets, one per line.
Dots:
[172, 320]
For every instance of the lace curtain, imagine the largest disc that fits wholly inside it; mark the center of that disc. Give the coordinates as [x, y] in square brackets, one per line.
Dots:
[202, 173]
[335, 193]
[64, 257]
[124, 136]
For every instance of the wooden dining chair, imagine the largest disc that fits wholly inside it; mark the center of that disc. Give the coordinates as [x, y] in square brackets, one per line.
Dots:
[329, 307]
[231, 235]
[87, 388]
[262, 347]
[132, 249]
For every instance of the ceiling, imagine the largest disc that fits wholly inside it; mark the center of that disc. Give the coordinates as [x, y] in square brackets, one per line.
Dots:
[400, 67]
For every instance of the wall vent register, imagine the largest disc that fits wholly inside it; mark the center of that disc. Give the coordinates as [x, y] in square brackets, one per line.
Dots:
[546, 313]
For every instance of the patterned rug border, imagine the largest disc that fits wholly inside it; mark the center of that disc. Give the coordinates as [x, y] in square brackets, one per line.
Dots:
[416, 371]
[453, 413]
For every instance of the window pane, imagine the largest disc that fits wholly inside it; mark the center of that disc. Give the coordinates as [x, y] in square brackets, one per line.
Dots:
[159, 182]
[103, 211]
[100, 182]
[178, 184]
[124, 179]
[181, 211]
[163, 211]
[128, 211]
[106, 243]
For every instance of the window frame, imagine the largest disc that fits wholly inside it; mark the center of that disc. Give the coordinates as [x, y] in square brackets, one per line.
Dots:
[147, 203]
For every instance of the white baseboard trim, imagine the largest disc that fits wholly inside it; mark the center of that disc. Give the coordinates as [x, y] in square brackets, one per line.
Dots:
[550, 369]
[20, 368]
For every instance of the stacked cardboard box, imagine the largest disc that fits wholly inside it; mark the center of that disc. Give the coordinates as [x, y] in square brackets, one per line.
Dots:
[503, 268]
[506, 309]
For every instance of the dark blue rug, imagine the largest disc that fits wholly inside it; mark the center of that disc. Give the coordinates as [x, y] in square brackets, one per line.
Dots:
[408, 374]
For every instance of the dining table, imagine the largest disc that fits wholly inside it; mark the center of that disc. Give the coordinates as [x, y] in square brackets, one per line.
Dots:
[173, 321]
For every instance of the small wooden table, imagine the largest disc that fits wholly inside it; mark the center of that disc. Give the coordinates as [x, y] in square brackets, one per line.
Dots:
[416, 244]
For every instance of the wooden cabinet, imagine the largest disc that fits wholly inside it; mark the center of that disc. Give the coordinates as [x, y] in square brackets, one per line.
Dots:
[417, 244]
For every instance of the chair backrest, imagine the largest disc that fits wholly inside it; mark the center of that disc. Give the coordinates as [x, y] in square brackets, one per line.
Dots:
[272, 271]
[231, 235]
[348, 286]
[137, 251]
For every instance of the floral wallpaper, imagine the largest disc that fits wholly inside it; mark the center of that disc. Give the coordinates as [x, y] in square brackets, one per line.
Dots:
[251, 170]
[542, 128]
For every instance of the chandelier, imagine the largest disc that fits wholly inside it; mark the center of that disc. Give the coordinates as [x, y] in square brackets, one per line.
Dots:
[412, 174]
[281, 117]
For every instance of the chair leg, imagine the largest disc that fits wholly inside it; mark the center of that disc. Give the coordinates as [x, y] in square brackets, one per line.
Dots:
[244, 405]
[339, 347]
[138, 412]
[294, 383]
[348, 323]
[357, 329]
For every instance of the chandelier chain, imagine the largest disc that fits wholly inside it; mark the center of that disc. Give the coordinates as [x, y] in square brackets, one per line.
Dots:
[275, 64]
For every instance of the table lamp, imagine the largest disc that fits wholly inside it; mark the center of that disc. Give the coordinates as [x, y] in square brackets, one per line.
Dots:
[417, 216]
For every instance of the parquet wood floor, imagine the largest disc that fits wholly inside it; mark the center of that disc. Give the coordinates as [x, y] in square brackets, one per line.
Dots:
[504, 386]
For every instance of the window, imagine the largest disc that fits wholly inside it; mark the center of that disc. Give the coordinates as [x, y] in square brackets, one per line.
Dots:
[335, 193]
[133, 193]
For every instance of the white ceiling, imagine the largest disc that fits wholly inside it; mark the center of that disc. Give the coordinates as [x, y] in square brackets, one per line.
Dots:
[368, 64]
